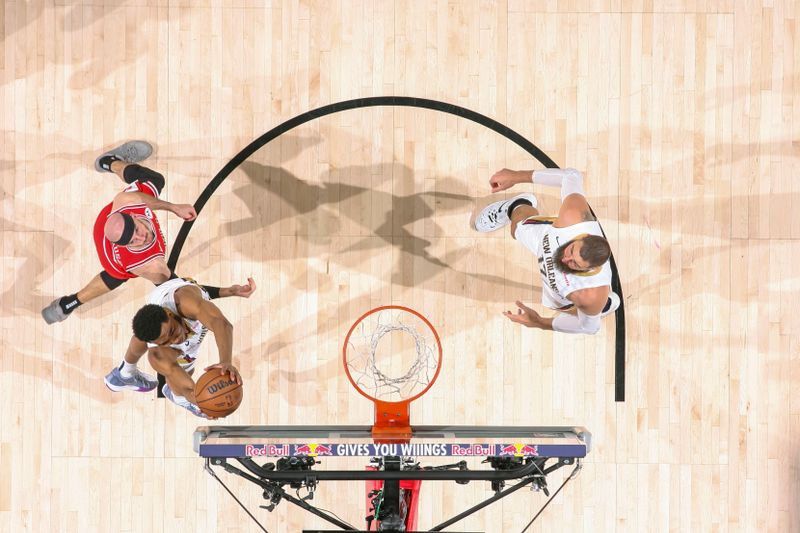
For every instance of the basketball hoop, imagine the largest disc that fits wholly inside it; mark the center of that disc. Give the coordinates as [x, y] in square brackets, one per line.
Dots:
[392, 356]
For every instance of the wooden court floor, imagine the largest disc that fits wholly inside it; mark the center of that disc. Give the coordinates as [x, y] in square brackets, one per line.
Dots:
[684, 116]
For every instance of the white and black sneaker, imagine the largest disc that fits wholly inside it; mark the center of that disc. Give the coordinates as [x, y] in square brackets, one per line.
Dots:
[130, 152]
[495, 216]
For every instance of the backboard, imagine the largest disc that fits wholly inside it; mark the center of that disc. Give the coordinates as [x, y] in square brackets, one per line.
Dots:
[305, 456]
[392, 356]
[425, 441]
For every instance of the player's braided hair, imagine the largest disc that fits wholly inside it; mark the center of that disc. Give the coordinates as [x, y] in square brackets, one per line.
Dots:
[147, 322]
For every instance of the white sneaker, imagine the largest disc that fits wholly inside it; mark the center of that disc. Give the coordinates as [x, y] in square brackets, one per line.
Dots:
[495, 216]
[182, 402]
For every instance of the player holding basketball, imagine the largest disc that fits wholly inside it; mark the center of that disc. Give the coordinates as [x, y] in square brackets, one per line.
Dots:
[572, 253]
[127, 233]
[170, 329]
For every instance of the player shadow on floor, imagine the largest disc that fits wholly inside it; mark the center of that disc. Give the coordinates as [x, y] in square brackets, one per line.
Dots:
[30, 12]
[22, 297]
[326, 212]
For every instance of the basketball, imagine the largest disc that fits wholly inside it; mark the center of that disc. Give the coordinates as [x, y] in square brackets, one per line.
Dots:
[217, 395]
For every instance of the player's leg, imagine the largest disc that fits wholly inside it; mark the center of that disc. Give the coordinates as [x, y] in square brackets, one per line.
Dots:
[520, 214]
[101, 284]
[130, 172]
[181, 401]
[179, 386]
[498, 214]
[127, 375]
[60, 308]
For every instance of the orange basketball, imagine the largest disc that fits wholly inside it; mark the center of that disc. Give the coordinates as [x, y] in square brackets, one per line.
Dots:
[217, 395]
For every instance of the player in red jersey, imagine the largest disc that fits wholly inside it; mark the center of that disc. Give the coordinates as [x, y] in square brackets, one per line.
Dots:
[127, 234]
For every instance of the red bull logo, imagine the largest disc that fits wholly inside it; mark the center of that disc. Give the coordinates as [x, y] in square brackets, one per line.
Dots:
[254, 451]
[470, 450]
[519, 450]
[313, 450]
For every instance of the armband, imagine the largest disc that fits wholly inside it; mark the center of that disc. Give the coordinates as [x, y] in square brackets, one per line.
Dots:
[213, 292]
[569, 179]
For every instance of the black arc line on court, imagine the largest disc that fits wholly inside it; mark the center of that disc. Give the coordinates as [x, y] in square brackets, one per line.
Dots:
[424, 103]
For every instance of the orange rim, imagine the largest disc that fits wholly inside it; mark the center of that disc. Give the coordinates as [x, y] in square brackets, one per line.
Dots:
[383, 308]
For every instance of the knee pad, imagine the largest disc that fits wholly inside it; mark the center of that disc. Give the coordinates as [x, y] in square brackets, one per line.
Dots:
[138, 172]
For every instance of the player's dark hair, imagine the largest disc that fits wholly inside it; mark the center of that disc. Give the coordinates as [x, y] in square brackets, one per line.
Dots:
[147, 322]
[595, 250]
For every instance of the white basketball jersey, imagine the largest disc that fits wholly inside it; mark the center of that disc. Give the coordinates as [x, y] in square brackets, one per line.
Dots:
[164, 295]
[543, 239]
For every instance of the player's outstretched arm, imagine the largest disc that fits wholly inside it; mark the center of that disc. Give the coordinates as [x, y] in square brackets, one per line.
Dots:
[192, 305]
[507, 178]
[163, 359]
[185, 211]
[242, 291]
[528, 317]
[589, 304]
[574, 207]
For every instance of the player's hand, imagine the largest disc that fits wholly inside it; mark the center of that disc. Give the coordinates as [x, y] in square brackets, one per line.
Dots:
[525, 316]
[503, 179]
[227, 368]
[243, 291]
[185, 211]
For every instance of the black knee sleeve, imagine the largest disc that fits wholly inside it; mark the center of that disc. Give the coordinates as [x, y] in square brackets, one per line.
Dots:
[110, 281]
[138, 172]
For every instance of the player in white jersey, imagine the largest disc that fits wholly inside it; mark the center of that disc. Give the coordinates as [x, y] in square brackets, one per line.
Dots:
[571, 250]
[170, 329]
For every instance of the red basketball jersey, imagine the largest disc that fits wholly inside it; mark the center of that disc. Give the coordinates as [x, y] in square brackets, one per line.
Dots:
[118, 261]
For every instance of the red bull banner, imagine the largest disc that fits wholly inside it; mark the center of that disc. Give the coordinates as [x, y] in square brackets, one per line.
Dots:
[427, 449]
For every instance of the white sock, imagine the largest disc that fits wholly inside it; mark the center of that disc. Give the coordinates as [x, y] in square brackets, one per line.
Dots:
[127, 369]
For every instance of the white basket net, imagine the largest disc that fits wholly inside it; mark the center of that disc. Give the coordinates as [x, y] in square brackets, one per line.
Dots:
[392, 355]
